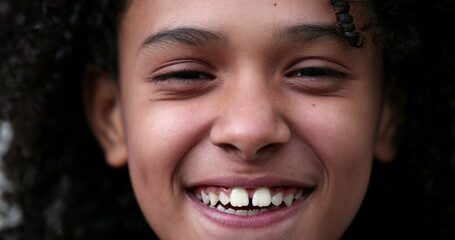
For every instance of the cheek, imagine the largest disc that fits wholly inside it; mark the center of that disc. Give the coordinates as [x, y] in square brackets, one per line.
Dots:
[346, 149]
[343, 140]
[346, 138]
[157, 141]
[342, 134]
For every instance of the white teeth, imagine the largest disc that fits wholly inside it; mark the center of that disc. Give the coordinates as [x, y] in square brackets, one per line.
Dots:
[239, 197]
[262, 197]
[253, 212]
[198, 196]
[298, 195]
[277, 199]
[288, 199]
[213, 199]
[230, 211]
[220, 208]
[205, 198]
[241, 212]
[224, 199]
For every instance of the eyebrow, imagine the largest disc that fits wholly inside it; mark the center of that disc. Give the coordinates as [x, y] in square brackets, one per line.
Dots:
[196, 37]
[305, 33]
[193, 37]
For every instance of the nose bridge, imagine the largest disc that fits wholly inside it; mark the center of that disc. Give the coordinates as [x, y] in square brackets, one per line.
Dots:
[251, 95]
[251, 108]
[250, 120]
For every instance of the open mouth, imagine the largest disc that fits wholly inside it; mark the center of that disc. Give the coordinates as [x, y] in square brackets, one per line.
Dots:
[242, 201]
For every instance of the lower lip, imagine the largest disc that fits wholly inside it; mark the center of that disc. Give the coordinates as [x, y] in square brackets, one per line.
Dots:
[256, 221]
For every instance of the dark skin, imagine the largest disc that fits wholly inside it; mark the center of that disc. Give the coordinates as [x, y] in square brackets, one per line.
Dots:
[404, 195]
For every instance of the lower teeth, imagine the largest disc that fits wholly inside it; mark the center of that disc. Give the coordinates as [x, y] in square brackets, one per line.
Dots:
[253, 212]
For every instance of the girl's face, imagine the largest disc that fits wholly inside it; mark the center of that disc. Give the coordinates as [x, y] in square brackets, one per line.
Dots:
[246, 119]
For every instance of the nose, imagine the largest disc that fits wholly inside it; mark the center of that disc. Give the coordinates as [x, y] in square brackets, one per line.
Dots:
[250, 125]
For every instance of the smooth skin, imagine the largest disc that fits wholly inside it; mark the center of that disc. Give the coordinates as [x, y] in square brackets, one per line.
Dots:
[241, 98]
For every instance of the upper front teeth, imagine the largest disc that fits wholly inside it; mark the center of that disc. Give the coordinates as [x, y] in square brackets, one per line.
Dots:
[239, 197]
[262, 197]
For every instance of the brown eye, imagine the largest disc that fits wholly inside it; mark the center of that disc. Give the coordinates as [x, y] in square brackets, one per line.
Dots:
[316, 73]
[185, 75]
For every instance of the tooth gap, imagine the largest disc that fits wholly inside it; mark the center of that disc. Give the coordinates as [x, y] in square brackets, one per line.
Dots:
[296, 196]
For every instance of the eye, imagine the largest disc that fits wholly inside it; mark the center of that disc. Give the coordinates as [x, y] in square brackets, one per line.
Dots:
[313, 72]
[318, 80]
[184, 75]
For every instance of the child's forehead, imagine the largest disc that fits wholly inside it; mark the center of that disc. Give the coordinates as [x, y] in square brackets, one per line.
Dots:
[236, 11]
[212, 23]
[238, 27]
[237, 18]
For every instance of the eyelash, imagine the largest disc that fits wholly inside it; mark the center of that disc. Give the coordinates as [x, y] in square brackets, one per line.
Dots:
[312, 72]
[315, 72]
[185, 75]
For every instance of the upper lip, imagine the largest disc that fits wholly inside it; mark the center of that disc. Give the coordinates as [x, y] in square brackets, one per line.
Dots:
[264, 181]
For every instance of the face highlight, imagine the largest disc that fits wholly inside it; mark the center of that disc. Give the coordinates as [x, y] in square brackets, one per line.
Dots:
[246, 119]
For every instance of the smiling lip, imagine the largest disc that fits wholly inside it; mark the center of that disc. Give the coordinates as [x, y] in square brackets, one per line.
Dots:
[264, 219]
[251, 183]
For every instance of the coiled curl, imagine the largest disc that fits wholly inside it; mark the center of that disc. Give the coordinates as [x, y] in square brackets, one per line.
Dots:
[346, 23]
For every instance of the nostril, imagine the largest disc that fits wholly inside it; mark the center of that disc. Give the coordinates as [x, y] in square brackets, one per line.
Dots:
[261, 152]
[228, 147]
[231, 149]
[269, 148]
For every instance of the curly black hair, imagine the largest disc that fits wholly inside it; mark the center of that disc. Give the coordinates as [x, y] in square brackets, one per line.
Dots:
[66, 191]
